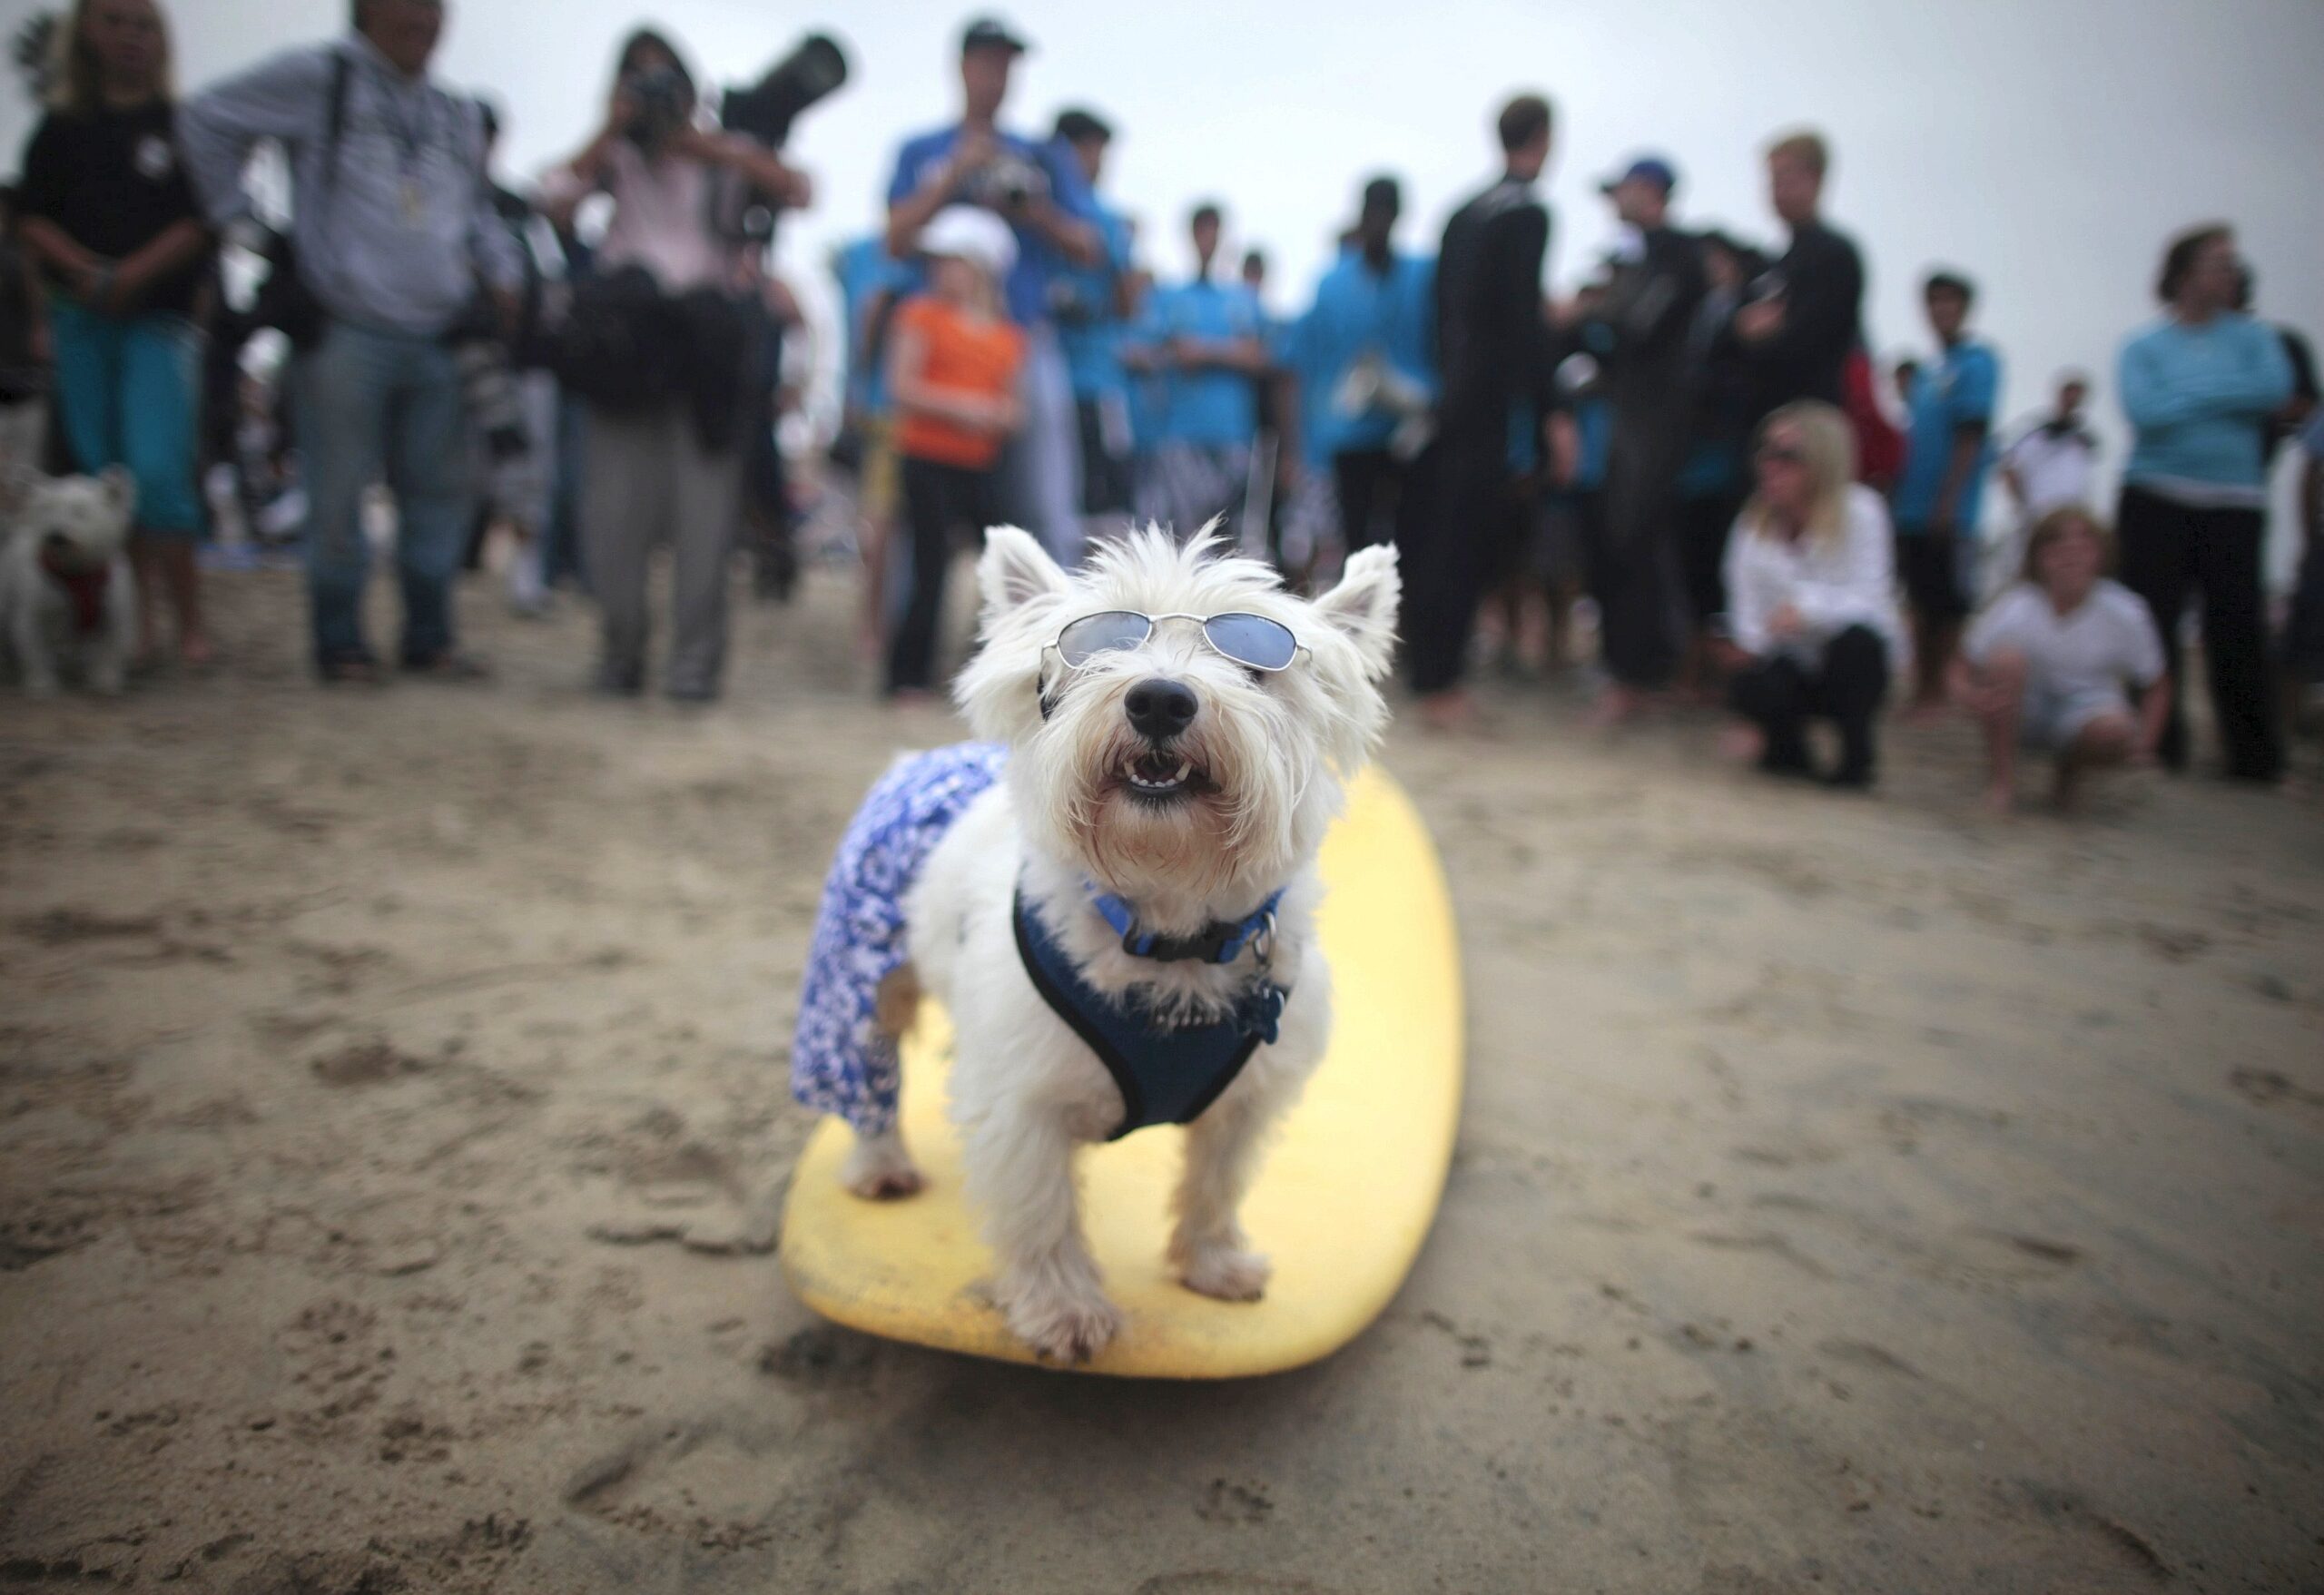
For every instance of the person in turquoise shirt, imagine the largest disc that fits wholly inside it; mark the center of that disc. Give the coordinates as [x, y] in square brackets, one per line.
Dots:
[1091, 302]
[1210, 336]
[1948, 450]
[1367, 367]
[2197, 386]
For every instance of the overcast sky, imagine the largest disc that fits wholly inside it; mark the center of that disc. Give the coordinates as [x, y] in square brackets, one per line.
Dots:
[2047, 147]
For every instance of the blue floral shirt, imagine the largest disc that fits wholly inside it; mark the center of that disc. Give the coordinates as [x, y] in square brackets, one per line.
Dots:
[839, 1063]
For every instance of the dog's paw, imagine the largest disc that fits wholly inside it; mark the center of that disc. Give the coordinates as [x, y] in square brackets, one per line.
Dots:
[1065, 1329]
[887, 1185]
[1226, 1274]
[881, 1170]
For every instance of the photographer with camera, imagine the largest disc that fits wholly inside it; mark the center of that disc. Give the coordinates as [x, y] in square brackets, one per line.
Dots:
[658, 348]
[1039, 189]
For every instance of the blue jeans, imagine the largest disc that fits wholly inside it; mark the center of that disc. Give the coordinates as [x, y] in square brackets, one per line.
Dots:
[126, 391]
[376, 405]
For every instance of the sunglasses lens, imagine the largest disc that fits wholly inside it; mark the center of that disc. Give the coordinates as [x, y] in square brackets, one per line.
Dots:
[1103, 633]
[1252, 639]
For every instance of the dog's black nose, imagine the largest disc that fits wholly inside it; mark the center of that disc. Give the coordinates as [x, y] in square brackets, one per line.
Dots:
[1159, 710]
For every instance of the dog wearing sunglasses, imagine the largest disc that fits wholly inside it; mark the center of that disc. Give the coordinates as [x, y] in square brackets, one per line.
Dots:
[1114, 894]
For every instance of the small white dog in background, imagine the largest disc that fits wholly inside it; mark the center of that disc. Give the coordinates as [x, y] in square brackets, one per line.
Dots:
[66, 591]
[1179, 729]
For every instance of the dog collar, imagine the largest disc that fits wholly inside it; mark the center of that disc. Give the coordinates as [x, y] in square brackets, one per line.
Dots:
[1166, 1073]
[1221, 942]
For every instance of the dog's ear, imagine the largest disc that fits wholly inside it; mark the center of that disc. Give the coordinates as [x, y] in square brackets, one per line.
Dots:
[120, 488]
[1364, 606]
[1014, 570]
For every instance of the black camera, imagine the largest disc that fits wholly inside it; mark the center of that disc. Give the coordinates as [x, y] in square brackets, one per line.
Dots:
[766, 109]
[662, 96]
[1008, 181]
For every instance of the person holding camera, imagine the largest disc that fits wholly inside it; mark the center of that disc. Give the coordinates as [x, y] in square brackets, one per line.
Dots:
[395, 241]
[1038, 188]
[661, 459]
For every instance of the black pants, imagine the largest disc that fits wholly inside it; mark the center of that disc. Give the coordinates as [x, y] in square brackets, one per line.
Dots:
[1634, 571]
[1381, 497]
[940, 502]
[1704, 524]
[1105, 475]
[2169, 548]
[1449, 558]
[1845, 685]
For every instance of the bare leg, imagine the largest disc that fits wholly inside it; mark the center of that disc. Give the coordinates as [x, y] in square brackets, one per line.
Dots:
[1208, 1245]
[2005, 676]
[183, 577]
[2107, 740]
[145, 555]
[1020, 1167]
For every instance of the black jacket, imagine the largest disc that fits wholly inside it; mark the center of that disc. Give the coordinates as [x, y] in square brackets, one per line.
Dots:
[1493, 345]
[1644, 335]
[1822, 279]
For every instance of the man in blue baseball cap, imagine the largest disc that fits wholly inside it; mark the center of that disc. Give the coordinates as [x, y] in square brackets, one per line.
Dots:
[1038, 188]
[1639, 334]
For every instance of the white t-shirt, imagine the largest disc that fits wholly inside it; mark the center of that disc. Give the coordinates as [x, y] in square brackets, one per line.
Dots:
[2107, 639]
[1834, 582]
[2053, 468]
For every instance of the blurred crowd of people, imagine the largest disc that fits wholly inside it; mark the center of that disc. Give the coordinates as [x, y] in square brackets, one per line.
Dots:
[1691, 475]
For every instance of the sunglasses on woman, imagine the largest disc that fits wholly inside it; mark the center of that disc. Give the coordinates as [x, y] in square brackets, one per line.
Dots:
[1250, 640]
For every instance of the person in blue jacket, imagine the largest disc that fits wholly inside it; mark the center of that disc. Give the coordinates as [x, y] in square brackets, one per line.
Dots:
[1092, 305]
[2196, 387]
[1366, 360]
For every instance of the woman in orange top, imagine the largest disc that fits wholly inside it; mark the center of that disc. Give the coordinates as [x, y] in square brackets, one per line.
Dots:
[952, 364]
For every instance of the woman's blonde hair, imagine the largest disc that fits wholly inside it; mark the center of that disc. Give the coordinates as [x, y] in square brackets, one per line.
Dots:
[1827, 449]
[74, 84]
[2053, 525]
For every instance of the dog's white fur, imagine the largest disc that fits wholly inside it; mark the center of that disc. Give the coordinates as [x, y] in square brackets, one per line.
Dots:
[1275, 749]
[89, 516]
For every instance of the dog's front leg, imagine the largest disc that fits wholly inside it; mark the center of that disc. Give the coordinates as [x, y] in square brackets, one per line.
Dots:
[1208, 1247]
[109, 651]
[33, 652]
[1020, 1167]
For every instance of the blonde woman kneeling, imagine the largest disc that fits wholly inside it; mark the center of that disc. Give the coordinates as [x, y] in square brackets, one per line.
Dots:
[1812, 625]
[2048, 664]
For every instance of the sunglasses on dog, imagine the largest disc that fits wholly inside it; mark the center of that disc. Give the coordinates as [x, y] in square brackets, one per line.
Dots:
[1250, 640]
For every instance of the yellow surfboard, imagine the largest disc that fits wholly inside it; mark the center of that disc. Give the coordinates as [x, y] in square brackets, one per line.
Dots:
[1342, 1200]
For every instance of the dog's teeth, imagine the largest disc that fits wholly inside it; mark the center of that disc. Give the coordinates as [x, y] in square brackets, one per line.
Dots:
[1185, 768]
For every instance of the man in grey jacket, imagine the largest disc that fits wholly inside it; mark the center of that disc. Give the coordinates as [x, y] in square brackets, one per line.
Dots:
[395, 242]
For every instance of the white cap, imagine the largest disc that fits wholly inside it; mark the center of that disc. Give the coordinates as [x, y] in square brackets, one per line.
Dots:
[967, 233]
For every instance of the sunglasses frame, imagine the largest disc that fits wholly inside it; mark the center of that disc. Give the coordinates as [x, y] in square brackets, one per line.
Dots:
[1202, 629]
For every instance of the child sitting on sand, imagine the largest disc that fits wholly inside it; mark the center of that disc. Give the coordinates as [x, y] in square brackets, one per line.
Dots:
[2047, 665]
[952, 366]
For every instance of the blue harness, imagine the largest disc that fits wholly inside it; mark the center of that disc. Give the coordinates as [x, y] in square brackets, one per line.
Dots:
[1167, 1075]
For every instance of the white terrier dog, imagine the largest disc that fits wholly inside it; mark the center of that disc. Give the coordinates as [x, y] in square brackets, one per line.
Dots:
[1122, 927]
[65, 583]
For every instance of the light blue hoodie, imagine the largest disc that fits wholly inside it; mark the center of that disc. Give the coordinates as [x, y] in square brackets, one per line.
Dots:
[2199, 397]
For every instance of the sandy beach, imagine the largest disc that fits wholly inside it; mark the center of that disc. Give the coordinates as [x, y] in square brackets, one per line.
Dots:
[1852, 1195]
